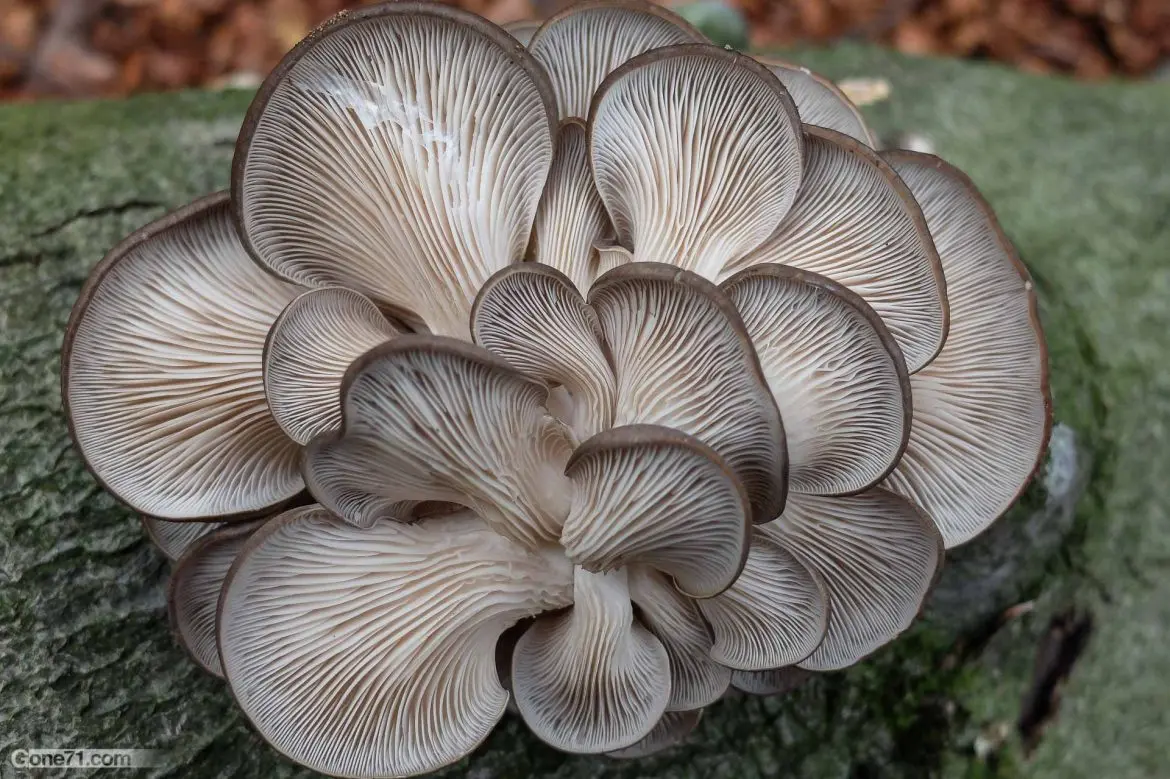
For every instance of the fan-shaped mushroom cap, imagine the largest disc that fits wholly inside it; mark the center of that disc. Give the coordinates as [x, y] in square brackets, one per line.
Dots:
[695, 679]
[684, 360]
[584, 43]
[835, 371]
[857, 223]
[652, 495]
[174, 538]
[820, 102]
[670, 731]
[533, 317]
[523, 30]
[194, 587]
[356, 166]
[877, 557]
[161, 372]
[696, 177]
[777, 681]
[371, 652]
[432, 418]
[310, 346]
[591, 679]
[774, 615]
[982, 411]
[571, 218]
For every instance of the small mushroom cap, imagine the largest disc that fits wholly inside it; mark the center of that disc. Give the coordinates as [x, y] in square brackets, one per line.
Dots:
[774, 615]
[174, 538]
[684, 360]
[356, 167]
[571, 218]
[857, 223]
[982, 409]
[695, 679]
[161, 372]
[194, 588]
[821, 102]
[309, 348]
[591, 679]
[696, 177]
[651, 495]
[533, 317]
[427, 418]
[587, 41]
[876, 555]
[836, 373]
[371, 652]
[672, 729]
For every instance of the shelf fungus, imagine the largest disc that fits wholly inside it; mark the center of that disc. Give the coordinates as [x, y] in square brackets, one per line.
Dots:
[583, 370]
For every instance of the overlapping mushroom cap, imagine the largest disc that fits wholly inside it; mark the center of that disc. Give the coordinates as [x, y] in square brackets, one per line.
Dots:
[619, 368]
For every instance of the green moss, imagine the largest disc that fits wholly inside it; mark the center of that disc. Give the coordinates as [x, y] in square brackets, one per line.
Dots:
[1079, 178]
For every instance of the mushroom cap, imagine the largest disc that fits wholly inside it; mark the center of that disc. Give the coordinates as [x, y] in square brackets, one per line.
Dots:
[653, 495]
[371, 652]
[587, 41]
[683, 359]
[523, 30]
[774, 615]
[858, 224]
[533, 317]
[875, 554]
[592, 678]
[836, 373]
[309, 348]
[161, 372]
[571, 219]
[819, 101]
[704, 177]
[428, 418]
[194, 588]
[776, 681]
[356, 167]
[695, 679]
[982, 408]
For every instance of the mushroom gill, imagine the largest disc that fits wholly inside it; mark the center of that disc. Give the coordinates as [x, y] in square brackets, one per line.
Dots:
[162, 372]
[385, 172]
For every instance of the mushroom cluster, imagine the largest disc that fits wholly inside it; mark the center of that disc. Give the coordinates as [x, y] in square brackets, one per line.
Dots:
[585, 366]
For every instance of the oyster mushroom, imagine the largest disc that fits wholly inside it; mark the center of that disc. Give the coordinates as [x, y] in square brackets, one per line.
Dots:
[309, 348]
[432, 418]
[831, 365]
[671, 730]
[857, 223]
[691, 183]
[820, 102]
[161, 372]
[523, 30]
[564, 484]
[531, 315]
[683, 359]
[587, 41]
[571, 220]
[371, 652]
[193, 591]
[982, 409]
[386, 173]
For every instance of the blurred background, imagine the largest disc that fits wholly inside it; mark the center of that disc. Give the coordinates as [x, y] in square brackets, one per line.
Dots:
[86, 48]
